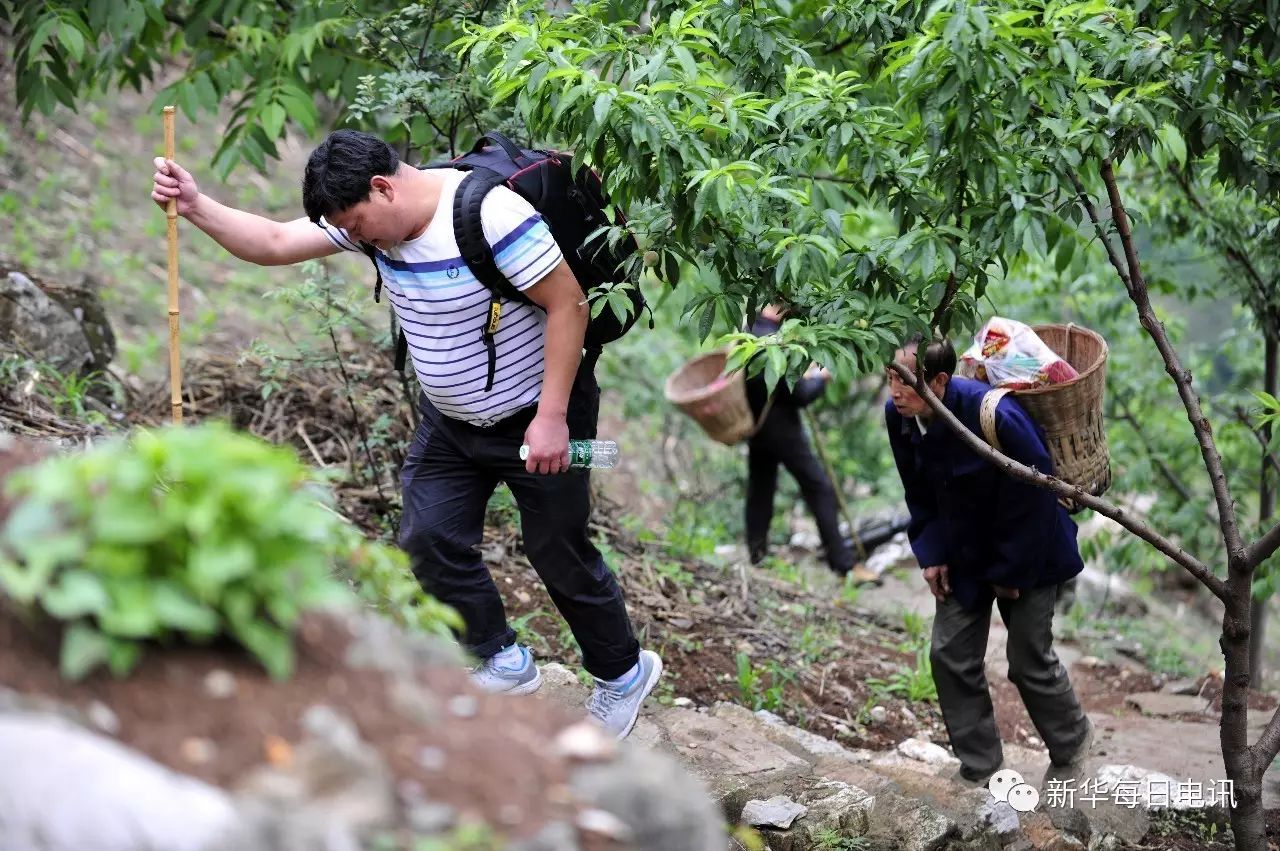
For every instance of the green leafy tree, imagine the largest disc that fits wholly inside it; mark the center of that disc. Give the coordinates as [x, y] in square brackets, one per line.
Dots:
[1001, 137]
[758, 148]
[302, 64]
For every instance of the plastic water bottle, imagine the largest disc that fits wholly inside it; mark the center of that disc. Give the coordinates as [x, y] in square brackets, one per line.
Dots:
[589, 454]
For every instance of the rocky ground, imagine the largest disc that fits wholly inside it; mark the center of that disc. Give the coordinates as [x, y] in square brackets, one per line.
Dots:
[893, 741]
[780, 680]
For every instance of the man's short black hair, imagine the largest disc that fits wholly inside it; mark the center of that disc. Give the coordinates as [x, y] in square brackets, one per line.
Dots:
[339, 170]
[939, 356]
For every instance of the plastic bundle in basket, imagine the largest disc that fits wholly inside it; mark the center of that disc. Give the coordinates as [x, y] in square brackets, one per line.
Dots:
[1008, 353]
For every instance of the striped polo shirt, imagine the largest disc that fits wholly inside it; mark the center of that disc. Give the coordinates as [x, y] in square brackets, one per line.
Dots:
[442, 306]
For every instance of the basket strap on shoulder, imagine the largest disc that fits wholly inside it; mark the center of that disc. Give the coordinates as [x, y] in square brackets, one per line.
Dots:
[987, 415]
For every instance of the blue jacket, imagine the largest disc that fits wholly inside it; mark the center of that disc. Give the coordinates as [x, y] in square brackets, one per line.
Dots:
[988, 527]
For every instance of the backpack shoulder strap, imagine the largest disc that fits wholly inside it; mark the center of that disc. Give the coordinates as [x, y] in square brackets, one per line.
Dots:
[402, 345]
[468, 229]
[987, 415]
[372, 254]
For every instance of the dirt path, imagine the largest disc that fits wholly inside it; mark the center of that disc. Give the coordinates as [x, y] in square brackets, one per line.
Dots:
[1182, 744]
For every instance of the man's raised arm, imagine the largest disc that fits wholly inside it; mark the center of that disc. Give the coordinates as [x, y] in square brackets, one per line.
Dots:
[250, 237]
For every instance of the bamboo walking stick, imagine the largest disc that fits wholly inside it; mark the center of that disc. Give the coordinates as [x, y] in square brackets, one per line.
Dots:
[835, 483]
[171, 211]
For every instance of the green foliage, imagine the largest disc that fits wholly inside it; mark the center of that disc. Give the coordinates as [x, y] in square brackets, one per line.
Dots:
[850, 591]
[738, 147]
[274, 65]
[381, 576]
[186, 533]
[917, 627]
[467, 837]
[748, 837]
[525, 633]
[834, 840]
[1207, 825]
[66, 393]
[471, 836]
[763, 688]
[675, 573]
[785, 570]
[912, 684]
[69, 391]
[815, 644]
[935, 159]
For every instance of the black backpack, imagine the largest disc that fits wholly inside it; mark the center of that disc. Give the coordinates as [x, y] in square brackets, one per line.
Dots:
[573, 204]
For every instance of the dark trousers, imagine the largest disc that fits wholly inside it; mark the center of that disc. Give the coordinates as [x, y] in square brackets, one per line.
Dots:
[959, 648]
[782, 440]
[451, 471]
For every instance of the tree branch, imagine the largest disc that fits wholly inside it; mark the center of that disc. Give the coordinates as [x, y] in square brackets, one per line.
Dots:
[1264, 751]
[1263, 548]
[1137, 287]
[1166, 471]
[942, 314]
[831, 178]
[1267, 454]
[1087, 203]
[838, 46]
[944, 305]
[216, 30]
[1265, 315]
[1029, 474]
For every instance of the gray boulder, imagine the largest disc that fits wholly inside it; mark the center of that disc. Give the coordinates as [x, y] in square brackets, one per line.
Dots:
[37, 326]
[65, 789]
[646, 800]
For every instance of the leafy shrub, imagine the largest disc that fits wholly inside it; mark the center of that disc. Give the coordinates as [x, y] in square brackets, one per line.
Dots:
[189, 533]
[912, 684]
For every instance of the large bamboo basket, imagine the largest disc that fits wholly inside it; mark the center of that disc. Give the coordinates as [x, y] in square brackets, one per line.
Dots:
[720, 408]
[1070, 413]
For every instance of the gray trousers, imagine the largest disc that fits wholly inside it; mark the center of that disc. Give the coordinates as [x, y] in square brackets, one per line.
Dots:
[959, 648]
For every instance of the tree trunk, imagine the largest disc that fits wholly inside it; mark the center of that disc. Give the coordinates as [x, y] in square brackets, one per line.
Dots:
[1266, 507]
[1243, 766]
[1247, 822]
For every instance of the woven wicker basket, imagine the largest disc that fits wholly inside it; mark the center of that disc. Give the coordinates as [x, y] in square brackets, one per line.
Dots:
[1071, 413]
[720, 407]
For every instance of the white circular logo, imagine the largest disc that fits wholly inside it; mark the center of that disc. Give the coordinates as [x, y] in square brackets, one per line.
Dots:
[1024, 797]
[1002, 781]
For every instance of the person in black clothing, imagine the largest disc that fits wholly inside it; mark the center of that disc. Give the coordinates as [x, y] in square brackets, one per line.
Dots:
[781, 439]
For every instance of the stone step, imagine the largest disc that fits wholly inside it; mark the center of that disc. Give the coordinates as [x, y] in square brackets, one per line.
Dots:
[822, 809]
[894, 799]
[808, 746]
[736, 761]
[901, 799]
[733, 757]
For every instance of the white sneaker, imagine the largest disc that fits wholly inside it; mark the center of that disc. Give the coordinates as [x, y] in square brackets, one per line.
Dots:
[617, 708]
[495, 678]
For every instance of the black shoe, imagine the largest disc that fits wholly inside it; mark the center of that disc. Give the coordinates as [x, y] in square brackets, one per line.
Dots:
[974, 778]
[1073, 766]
